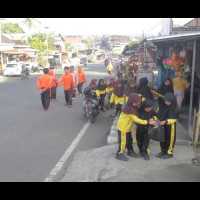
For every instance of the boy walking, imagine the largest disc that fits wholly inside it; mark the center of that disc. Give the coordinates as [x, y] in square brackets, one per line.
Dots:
[81, 80]
[44, 85]
[69, 84]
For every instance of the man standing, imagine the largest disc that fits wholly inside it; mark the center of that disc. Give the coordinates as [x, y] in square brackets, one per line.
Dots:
[69, 84]
[44, 84]
[81, 80]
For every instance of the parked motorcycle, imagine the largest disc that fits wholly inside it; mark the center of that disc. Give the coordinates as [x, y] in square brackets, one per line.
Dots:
[90, 106]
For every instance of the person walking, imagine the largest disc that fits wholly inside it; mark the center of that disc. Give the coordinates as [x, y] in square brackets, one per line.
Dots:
[129, 115]
[68, 81]
[117, 64]
[145, 112]
[54, 85]
[180, 84]
[81, 80]
[44, 86]
[130, 88]
[144, 90]
[75, 77]
[168, 114]
[117, 96]
[166, 86]
[109, 69]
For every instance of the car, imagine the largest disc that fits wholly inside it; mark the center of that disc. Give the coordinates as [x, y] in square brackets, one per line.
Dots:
[114, 58]
[13, 69]
[55, 63]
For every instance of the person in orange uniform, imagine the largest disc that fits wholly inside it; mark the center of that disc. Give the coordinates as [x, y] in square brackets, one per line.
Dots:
[44, 85]
[54, 85]
[69, 84]
[81, 80]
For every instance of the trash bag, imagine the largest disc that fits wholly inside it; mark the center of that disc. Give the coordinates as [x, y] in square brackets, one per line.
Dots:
[156, 132]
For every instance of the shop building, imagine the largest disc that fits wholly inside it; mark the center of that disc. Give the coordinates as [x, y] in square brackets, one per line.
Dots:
[186, 49]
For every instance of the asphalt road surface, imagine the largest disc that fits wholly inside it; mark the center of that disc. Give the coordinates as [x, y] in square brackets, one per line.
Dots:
[37, 146]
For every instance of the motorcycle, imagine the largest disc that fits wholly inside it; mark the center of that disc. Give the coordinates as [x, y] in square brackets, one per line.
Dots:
[24, 74]
[90, 106]
[85, 63]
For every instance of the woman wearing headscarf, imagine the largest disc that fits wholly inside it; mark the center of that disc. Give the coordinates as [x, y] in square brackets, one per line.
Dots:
[117, 96]
[144, 90]
[145, 112]
[128, 116]
[101, 93]
[168, 114]
[111, 86]
[166, 86]
[130, 88]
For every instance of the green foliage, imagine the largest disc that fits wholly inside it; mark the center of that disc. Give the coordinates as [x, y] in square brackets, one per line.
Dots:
[129, 47]
[11, 28]
[36, 43]
[69, 47]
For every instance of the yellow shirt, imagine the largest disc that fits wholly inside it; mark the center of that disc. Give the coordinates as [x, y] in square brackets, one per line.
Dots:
[125, 122]
[116, 100]
[98, 92]
[180, 84]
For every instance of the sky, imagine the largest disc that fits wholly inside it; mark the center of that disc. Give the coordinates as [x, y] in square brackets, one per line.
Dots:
[99, 26]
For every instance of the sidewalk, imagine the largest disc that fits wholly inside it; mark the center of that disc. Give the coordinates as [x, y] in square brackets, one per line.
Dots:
[100, 165]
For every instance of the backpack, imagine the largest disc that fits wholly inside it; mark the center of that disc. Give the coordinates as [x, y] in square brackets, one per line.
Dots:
[156, 132]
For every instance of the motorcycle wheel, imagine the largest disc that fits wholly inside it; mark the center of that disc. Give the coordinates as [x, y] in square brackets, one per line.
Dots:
[91, 118]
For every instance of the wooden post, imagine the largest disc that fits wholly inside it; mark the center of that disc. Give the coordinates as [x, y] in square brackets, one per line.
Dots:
[194, 127]
[197, 130]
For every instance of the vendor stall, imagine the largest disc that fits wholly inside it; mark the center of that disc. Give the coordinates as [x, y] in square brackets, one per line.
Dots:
[179, 55]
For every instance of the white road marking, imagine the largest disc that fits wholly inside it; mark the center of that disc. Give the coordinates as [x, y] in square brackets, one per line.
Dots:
[67, 153]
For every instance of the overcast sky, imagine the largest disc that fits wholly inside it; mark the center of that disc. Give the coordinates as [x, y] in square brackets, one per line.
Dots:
[99, 26]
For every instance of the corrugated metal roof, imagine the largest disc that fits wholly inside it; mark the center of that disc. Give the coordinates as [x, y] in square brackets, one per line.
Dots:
[187, 36]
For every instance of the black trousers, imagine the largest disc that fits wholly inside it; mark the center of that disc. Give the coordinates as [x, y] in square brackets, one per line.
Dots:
[142, 139]
[101, 100]
[80, 85]
[53, 92]
[118, 108]
[170, 139]
[125, 140]
[68, 96]
[45, 98]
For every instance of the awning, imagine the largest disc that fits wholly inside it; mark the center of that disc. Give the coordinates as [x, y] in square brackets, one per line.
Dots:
[186, 36]
[15, 52]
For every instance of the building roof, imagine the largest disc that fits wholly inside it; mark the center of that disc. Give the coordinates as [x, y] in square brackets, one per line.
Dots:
[184, 36]
[5, 39]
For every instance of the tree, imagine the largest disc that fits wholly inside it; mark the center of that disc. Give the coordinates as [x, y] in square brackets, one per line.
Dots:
[11, 28]
[129, 47]
[30, 23]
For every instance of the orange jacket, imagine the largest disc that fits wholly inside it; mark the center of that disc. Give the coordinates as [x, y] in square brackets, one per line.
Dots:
[54, 78]
[68, 81]
[81, 76]
[44, 81]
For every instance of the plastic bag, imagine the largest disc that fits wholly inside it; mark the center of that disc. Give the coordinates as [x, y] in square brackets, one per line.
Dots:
[156, 132]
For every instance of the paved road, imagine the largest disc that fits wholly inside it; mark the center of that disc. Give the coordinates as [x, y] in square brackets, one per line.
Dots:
[33, 141]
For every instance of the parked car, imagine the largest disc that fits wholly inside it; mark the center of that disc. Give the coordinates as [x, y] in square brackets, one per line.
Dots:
[13, 69]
